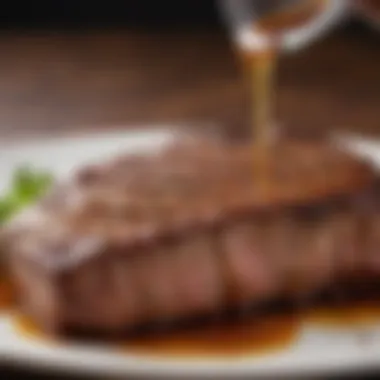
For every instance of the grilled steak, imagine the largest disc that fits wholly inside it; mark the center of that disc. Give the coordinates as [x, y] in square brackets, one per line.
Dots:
[190, 231]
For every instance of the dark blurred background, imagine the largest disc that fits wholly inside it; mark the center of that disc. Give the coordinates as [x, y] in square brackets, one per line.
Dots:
[85, 13]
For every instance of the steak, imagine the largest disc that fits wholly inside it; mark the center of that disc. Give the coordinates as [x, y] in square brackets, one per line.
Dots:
[193, 230]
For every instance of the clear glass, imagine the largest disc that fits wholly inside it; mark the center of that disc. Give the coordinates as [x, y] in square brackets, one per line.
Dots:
[243, 17]
[263, 28]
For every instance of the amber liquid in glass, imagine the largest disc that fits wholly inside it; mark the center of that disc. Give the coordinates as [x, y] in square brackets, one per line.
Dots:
[260, 66]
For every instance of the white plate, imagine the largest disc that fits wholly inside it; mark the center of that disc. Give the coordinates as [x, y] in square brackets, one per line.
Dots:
[317, 351]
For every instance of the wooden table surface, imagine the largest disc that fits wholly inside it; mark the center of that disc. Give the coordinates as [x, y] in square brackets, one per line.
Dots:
[96, 79]
[64, 81]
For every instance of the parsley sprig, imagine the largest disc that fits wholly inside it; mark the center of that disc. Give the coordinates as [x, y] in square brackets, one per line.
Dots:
[27, 186]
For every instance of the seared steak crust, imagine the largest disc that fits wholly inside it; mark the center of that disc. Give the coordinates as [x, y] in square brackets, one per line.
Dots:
[191, 231]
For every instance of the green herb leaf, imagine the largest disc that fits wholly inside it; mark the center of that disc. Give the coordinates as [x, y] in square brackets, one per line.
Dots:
[27, 186]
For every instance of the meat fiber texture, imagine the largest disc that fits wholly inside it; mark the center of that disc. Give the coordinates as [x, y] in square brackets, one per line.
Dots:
[193, 230]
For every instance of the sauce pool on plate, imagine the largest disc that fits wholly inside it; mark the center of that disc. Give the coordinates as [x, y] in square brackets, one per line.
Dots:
[249, 336]
[6, 294]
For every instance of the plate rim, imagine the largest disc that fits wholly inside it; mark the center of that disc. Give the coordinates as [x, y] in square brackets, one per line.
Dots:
[145, 366]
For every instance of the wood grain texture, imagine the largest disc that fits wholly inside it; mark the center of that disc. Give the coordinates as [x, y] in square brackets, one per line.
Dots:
[90, 80]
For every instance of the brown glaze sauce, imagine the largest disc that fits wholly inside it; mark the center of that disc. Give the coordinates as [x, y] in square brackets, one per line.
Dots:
[260, 66]
[250, 336]
[27, 328]
[6, 294]
[291, 17]
[253, 336]
[352, 314]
